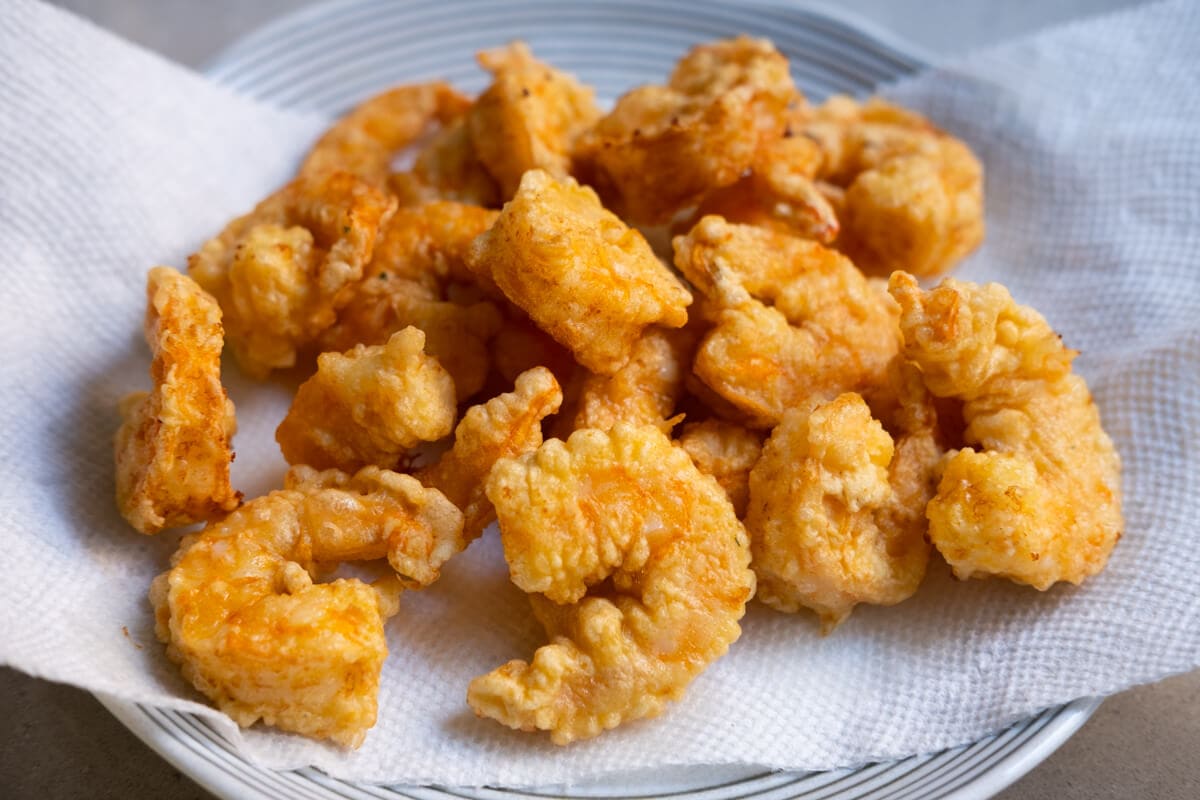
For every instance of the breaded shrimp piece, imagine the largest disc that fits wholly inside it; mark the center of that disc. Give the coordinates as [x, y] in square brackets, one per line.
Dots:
[1039, 500]
[364, 142]
[418, 259]
[642, 571]
[580, 273]
[661, 148]
[281, 272]
[645, 390]
[528, 118]
[780, 193]
[240, 613]
[174, 446]
[369, 406]
[912, 195]
[827, 527]
[827, 329]
[726, 451]
[506, 426]
[447, 168]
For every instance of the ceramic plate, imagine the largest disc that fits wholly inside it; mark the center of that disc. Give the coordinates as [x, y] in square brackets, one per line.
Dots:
[329, 56]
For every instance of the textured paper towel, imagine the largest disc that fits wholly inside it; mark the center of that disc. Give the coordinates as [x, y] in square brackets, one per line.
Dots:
[115, 160]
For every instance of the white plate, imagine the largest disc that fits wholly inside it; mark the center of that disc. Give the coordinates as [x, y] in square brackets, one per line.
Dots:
[328, 57]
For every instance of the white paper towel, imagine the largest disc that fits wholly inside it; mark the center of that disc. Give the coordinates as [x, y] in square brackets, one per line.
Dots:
[115, 160]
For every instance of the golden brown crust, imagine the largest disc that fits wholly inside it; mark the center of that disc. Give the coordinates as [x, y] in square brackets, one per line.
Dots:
[642, 573]
[241, 615]
[1039, 501]
[174, 449]
[578, 271]
[826, 330]
[506, 426]
[662, 148]
[281, 272]
[369, 406]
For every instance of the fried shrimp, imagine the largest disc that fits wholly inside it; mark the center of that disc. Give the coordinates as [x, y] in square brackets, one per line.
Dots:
[364, 142]
[368, 406]
[827, 329]
[642, 571]
[779, 193]
[506, 426]
[579, 272]
[528, 118]
[828, 528]
[418, 260]
[911, 195]
[662, 148]
[240, 612]
[726, 451]
[173, 449]
[644, 391]
[447, 168]
[1039, 501]
[281, 272]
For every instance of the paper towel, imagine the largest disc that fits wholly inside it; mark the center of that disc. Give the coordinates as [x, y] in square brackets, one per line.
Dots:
[116, 160]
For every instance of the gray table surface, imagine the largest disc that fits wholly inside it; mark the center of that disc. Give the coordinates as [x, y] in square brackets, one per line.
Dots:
[60, 742]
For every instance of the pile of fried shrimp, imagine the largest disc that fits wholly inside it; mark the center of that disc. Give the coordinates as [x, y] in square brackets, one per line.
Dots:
[766, 405]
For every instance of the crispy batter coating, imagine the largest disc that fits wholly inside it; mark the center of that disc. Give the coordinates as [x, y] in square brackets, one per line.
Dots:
[662, 148]
[369, 406]
[528, 118]
[828, 528]
[643, 572]
[418, 260]
[241, 615]
[644, 391]
[447, 168]
[779, 193]
[827, 329]
[174, 446]
[912, 195]
[1040, 500]
[578, 271]
[281, 272]
[364, 142]
[506, 426]
[726, 451]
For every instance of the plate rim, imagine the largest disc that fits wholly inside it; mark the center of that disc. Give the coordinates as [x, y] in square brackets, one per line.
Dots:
[1061, 722]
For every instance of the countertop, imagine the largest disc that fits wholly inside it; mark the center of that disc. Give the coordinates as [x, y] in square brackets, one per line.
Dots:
[59, 742]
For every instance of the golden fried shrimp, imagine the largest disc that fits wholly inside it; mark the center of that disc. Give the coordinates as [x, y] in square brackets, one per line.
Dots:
[364, 142]
[369, 406]
[828, 528]
[457, 335]
[241, 615]
[779, 193]
[506, 426]
[726, 451]
[428, 244]
[528, 118]
[173, 449]
[642, 571]
[913, 195]
[447, 168]
[418, 260]
[1040, 500]
[281, 272]
[644, 391]
[578, 271]
[662, 148]
[827, 329]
